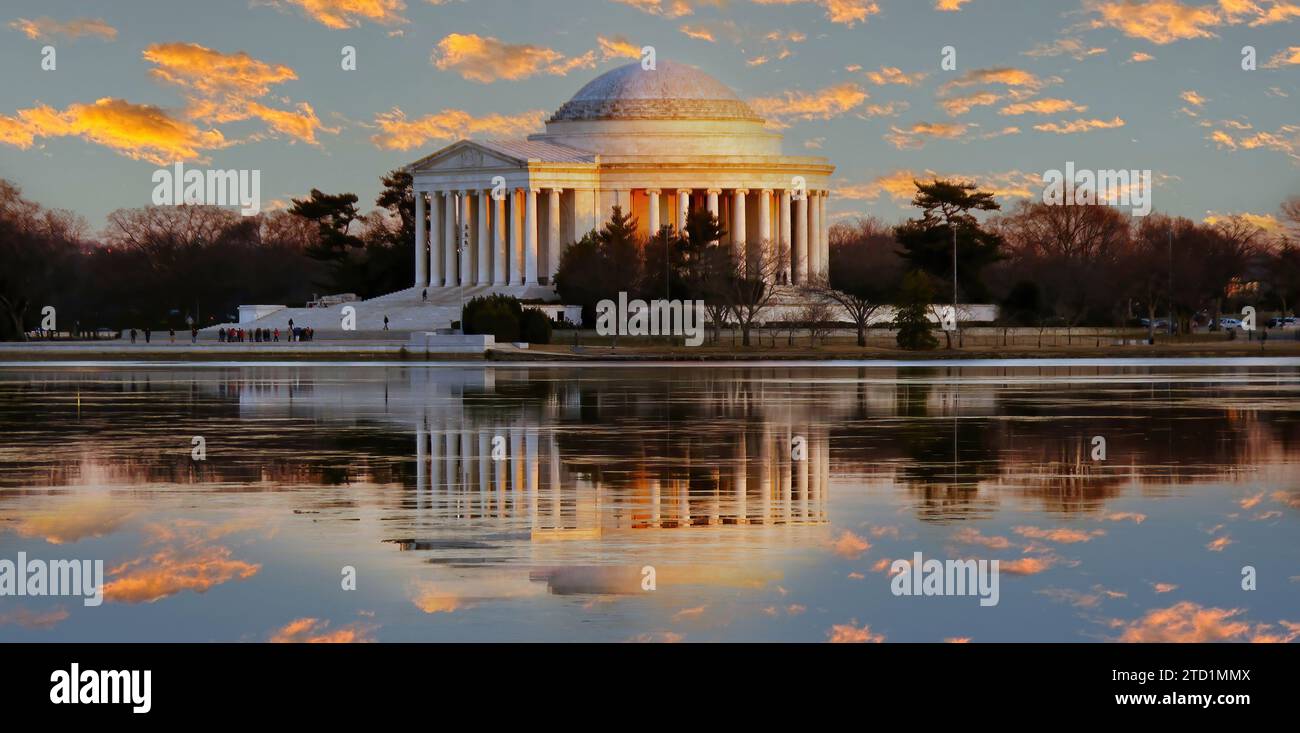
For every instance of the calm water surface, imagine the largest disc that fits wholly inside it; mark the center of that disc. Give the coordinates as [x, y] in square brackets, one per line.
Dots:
[525, 503]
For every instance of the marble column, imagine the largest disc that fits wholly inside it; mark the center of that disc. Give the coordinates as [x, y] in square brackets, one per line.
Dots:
[653, 193]
[465, 243]
[814, 237]
[553, 235]
[530, 236]
[784, 242]
[739, 236]
[484, 238]
[450, 238]
[501, 257]
[516, 237]
[766, 250]
[825, 233]
[713, 202]
[435, 240]
[800, 252]
[421, 249]
[683, 208]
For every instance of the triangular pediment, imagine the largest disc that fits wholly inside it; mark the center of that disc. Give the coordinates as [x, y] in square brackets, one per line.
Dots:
[464, 155]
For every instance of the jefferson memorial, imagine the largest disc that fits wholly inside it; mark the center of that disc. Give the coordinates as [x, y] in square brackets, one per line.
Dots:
[493, 216]
[658, 142]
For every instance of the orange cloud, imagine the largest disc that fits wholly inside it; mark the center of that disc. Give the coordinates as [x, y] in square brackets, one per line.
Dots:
[431, 599]
[223, 87]
[1164, 587]
[1157, 21]
[850, 634]
[396, 132]
[822, 104]
[1137, 517]
[894, 75]
[1192, 98]
[914, 137]
[960, 105]
[139, 131]
[899, 186]
[1072, 47]
[665, 8]
[486, 59]
[339, 14]
[1289, 56]
[949, 6]
[845, 12]
[1080, 125]
[1140, 57]
[315, 631]
[44, 27]
[618, 47]
[698, 32]
[1004, 75]
[93, 516]
[1045, 106]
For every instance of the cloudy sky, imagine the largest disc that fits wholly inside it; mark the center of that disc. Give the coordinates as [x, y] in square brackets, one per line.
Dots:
[1106, 84]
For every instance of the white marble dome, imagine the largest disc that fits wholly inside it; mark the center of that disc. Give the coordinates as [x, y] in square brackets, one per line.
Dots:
[671, 91]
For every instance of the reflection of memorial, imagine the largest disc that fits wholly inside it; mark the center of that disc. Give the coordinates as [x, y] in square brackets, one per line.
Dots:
[516, 472]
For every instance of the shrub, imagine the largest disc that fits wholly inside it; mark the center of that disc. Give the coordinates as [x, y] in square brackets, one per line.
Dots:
[499, 315]
[535, 327]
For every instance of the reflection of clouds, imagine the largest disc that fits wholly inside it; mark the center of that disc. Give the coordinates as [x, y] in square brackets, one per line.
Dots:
[1219, 543]
[76, 519]
[1082, 599]
[1027, 565]
[658, 637]
[1164, 587]
[850, 633]
[849, 545]
[317, 631]
[1135, 517]
[972, 536]
[1061, 535]
[187, 561]
[1189, 622]
[34, 619]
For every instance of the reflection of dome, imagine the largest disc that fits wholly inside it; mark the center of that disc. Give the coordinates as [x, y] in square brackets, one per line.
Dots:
[670, 91]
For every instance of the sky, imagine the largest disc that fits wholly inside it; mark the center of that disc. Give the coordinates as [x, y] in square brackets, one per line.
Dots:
[1153, 85]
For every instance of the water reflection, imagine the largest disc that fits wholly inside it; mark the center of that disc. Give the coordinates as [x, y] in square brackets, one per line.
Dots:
[767, 500]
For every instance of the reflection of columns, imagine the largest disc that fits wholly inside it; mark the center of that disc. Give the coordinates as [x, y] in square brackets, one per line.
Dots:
[800, 252]
[530, 456]
[421, 249]
[784, 241]
[421, 440]
[554, 483]
[435, 240]
[449, 461]
[516, 237]
[738, 234]
[516, 459]
[501, 258]
[530, 236]
[450, 237]
[553, 236]
[435, 467]
[742, 481]
[683, 208]
[484, 461]
[484, 238]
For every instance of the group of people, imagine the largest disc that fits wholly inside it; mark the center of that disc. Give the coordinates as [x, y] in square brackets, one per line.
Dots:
[264, 335]
[148, 335]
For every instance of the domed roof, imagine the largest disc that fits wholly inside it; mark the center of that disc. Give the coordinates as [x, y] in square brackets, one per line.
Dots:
[670, 91]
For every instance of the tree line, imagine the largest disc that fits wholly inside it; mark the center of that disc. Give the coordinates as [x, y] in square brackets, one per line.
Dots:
[159, 266]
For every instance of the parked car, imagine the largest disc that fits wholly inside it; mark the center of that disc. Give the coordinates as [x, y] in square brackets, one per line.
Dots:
[1231, 324]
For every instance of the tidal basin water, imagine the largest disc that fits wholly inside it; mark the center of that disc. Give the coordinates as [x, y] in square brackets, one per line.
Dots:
[654, 503]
